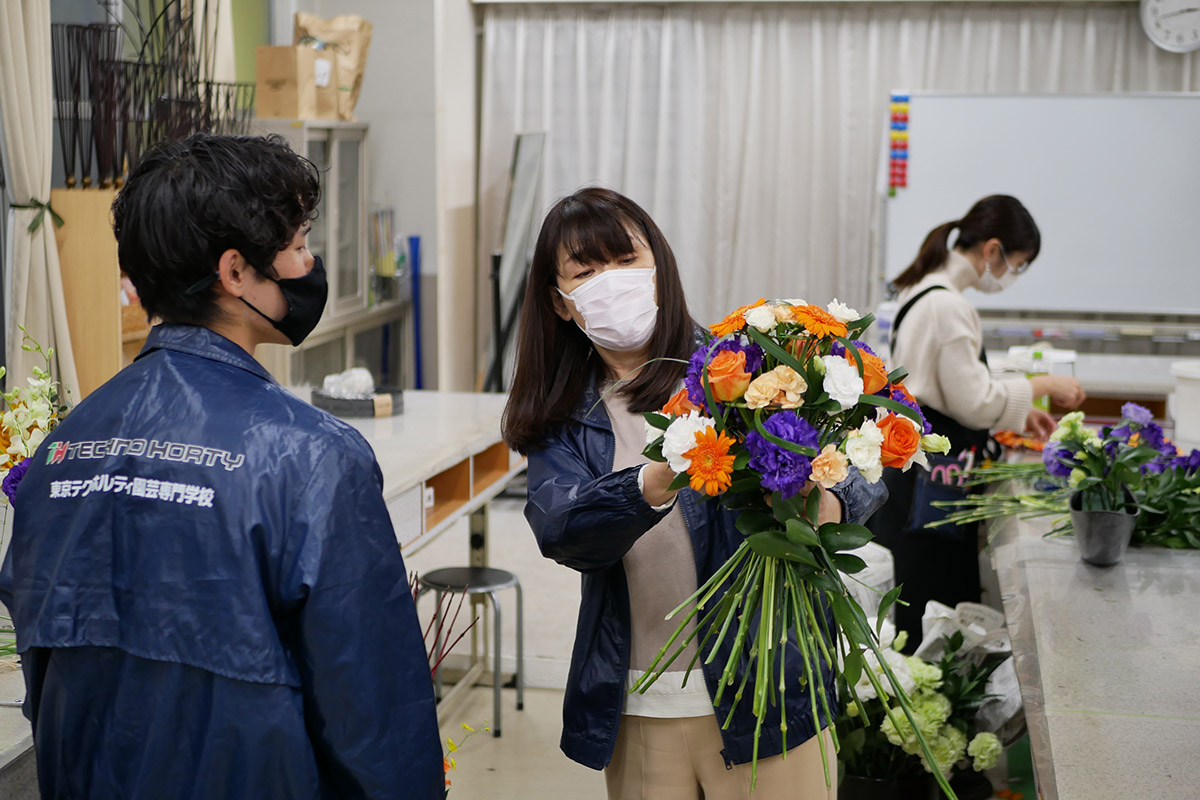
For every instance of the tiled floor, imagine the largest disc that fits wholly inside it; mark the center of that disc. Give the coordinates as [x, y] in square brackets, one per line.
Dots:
[524, 763]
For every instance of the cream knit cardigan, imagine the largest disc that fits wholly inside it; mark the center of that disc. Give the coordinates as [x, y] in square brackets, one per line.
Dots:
[939, 343]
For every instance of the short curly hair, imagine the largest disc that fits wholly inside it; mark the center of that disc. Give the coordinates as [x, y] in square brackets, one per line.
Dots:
[187, 202]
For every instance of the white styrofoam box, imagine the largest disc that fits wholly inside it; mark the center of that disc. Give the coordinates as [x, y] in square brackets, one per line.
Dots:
[1185, 404]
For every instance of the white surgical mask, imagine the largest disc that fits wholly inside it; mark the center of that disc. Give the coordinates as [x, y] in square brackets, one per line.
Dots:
[618, 308]
[990, 284]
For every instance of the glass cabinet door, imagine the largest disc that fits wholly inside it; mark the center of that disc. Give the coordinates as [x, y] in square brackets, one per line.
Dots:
[318, 235]
[349, 285]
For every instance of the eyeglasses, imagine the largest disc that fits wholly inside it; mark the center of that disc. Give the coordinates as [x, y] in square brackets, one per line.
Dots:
[1019, 268]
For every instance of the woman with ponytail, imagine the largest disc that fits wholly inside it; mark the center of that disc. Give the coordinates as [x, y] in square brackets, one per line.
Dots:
[937, 336]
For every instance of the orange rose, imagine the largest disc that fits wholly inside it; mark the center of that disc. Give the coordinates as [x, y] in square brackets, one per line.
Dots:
[679, 405]
[874, 371]
[727, 375]
[900, 440]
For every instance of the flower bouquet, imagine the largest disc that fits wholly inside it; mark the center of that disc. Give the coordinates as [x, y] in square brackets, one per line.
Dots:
[782, 393]
[1100, 465]
[945, 698]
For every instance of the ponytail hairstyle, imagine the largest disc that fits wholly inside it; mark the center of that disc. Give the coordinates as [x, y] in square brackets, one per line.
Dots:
[998, 216]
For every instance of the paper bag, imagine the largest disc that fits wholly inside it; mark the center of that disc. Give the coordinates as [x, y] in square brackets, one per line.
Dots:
[348, 38]
[295, 83]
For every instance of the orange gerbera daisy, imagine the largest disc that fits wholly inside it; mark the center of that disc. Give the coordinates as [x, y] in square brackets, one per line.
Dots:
[735, 320]
[712, 464]
[818, 321]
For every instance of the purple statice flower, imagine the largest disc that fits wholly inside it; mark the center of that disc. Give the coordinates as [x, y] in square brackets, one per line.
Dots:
[782, 470]
[839, 349]
[13, 479]
[1053, 457]
[1136, 414]
[1189, 463]
[706, 353]
[902, 399]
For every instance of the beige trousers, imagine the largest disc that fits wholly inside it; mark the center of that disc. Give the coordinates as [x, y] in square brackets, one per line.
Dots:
[680, 759]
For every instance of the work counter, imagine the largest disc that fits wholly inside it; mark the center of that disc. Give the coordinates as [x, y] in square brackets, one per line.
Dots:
[1108, 660]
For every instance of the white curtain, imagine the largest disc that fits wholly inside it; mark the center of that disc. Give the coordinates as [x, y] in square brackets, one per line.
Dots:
[26, 99]
[752, 133]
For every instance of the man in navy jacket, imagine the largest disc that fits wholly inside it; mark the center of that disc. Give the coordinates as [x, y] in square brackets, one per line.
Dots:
[207, 591]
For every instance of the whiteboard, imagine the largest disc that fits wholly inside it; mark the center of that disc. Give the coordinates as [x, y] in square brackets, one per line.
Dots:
[1113, 182]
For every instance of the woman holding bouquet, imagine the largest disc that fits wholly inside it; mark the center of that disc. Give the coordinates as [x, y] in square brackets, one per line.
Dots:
[605, 335]
[937, 336]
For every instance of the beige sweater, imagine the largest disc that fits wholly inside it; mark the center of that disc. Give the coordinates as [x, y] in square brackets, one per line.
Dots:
[939, 343]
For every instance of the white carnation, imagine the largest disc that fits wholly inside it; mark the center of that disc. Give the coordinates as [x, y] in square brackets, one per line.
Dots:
[681, 438]
[863, 450]
[842, 381]
[866, 691]
[842, 312]
[760, 317]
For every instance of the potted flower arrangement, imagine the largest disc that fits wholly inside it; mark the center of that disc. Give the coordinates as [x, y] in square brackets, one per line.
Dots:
[1108, 486]
[779, 394]
[880, 754]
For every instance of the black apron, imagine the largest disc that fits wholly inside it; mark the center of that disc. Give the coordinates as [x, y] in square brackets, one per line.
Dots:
[939, 563]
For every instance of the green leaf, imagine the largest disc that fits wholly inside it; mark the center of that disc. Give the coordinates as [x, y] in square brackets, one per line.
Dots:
[800, 532]
[897, 375]
[660, 421]
[890, 405]
[848, 563]
[885, 605]
[857, 326]
[852, 666]
[769, 344]
[681, 481]
[751, 522]
[853, 351]
[812, 506]
[839, 536]
[774, 545]
[787, 508]
[654, 451]
[741, 460]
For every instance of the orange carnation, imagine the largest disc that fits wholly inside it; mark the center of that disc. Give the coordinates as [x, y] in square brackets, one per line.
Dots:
[712, 465]
[679, 405]
[727, 375]
[735, 320]
[874, 371]
[900, 440]
[818, 321]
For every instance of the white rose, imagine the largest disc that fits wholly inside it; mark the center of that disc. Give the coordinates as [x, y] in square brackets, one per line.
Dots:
[842, 381]
[842, 312]
[760, 317]
[681, 438]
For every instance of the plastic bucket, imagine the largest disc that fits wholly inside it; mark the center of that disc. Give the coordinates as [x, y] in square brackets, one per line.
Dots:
[1185, 404]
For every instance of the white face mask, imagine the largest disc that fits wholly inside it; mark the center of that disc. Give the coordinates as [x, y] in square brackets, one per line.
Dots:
[990, 284]
[618, 308]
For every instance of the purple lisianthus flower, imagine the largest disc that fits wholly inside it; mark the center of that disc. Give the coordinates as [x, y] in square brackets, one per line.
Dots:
[1053, 457]
[839, 349]
[13, 479]
[1151, 435]
[1136, 414]
[1189, 463]
[782, 470]
[706, 353]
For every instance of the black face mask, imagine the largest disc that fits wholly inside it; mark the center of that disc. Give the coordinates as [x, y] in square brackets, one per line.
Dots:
[305, 297]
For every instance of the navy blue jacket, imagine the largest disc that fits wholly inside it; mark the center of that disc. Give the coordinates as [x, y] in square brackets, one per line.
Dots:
[587, 517]
[209, 597]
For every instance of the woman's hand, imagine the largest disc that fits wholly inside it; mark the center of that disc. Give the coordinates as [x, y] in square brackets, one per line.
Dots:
[1064, 391]
[1040, 424]
[831, 507]
[656, 477]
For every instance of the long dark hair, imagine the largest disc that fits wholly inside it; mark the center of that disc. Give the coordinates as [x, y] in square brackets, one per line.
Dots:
[555, 360]
[998, 216]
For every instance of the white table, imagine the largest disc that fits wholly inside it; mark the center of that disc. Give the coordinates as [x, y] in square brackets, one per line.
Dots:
[1107, 659]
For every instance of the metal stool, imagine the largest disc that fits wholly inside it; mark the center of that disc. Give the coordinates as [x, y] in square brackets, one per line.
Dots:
[487, 581]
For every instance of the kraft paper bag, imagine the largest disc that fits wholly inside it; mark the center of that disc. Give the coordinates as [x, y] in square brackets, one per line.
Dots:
[295, 83]
[348, 38]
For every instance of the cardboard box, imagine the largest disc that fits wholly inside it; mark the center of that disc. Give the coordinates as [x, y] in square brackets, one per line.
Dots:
[295, 83]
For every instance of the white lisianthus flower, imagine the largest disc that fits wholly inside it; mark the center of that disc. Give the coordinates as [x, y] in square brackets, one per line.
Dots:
[761, 318]
[1070, 426]
[899, 666]
[842, 312]
[842, 381]
[935, 443]
[681, 437]
[863, 450]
